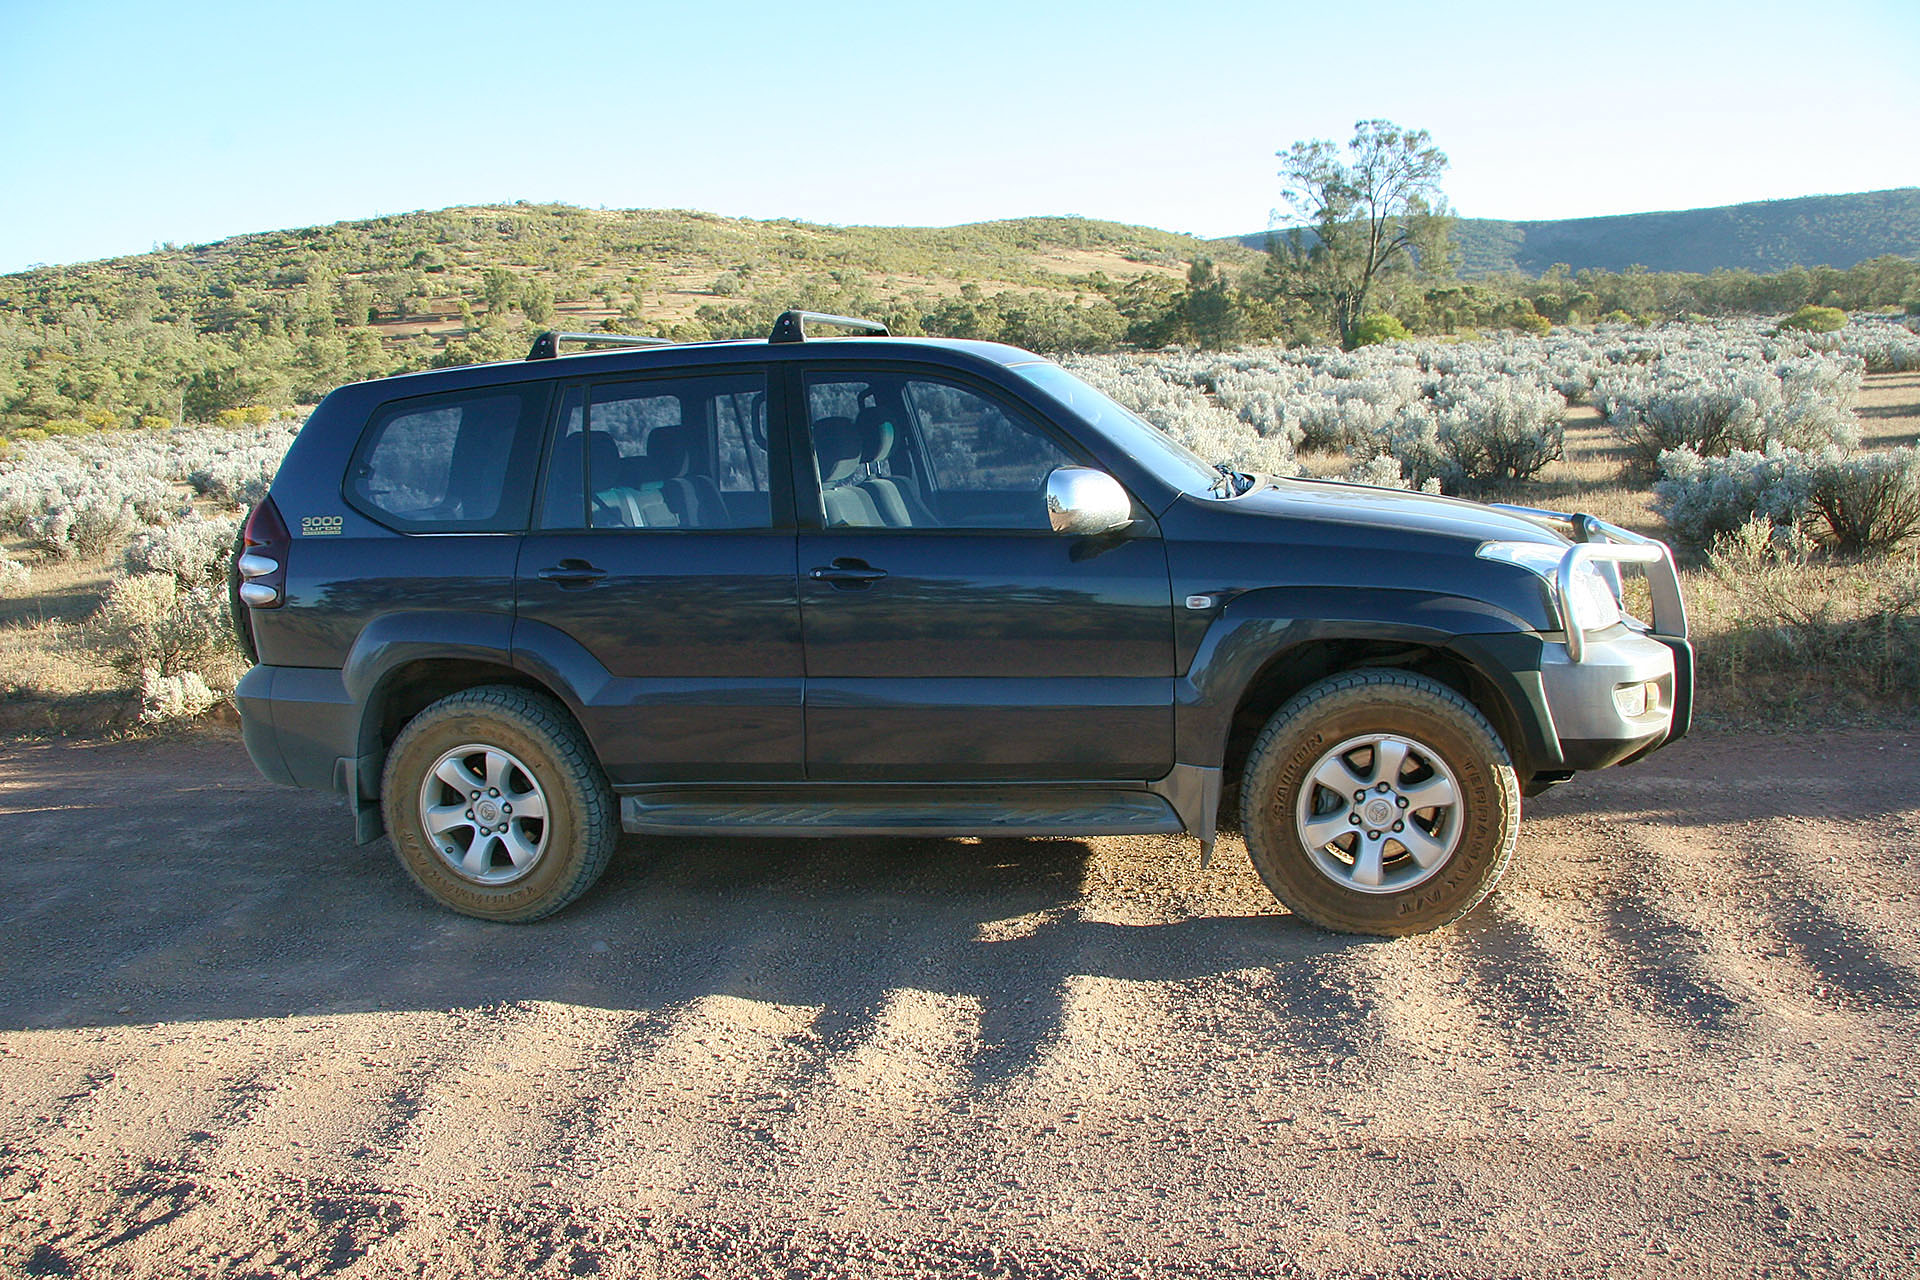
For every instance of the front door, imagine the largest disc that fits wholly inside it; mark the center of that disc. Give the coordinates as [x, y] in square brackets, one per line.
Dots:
[950, 634]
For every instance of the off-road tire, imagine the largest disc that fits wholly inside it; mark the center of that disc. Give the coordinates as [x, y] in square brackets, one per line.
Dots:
[581, 823]
[1348, 708]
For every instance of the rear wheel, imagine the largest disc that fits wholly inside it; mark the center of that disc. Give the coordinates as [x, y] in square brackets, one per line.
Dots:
[1380, 802]
[496, 805]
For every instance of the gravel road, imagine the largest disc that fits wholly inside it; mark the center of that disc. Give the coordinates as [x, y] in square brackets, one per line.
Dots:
[1681, 1040]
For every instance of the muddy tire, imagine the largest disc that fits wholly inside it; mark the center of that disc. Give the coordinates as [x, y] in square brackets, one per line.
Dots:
[1380, 802]
[496, 806]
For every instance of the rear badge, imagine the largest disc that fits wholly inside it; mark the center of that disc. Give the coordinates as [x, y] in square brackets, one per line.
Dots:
[318, 526]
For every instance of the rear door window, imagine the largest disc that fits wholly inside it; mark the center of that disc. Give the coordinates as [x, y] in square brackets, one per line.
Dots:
[664, 453]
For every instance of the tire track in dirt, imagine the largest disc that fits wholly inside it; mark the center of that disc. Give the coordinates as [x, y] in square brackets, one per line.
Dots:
[1679, 1041]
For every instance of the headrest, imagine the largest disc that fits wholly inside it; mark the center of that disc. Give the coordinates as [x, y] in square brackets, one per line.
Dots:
[837, 444]
[603, 458]
[876, 433]
[670, 449]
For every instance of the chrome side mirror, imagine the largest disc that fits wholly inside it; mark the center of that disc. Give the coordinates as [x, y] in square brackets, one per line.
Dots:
[1082, 501]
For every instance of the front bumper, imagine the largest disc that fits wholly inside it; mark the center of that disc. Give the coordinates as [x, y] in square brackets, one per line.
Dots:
[1629, 693]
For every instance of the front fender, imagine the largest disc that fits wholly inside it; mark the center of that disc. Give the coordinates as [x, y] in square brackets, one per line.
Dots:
[1256, 627]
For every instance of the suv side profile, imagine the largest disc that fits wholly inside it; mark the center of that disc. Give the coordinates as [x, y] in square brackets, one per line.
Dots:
[877, 585]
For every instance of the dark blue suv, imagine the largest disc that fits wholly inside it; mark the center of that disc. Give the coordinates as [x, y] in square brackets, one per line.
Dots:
[870, 585]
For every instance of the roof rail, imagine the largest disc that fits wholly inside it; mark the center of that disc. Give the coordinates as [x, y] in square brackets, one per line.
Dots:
[547, 345]
[791, 327]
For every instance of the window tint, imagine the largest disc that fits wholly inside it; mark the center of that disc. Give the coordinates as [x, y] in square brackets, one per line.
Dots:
[976, 444]
[919, 452]
[671, 453]
[458, 462]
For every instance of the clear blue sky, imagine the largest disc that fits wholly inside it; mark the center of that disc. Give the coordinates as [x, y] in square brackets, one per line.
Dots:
[130, 124]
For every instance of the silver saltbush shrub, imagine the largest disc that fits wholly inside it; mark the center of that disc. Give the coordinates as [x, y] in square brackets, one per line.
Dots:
[1739, 401]
[150, 622]
[1881, 345]
[85, 525]
[193, 550]
[1501, 433]
[168, 698]
[1704, 498]
[14, 576]
[1865, 503]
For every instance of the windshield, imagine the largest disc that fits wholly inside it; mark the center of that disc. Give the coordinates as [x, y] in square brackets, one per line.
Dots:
[1133, 435]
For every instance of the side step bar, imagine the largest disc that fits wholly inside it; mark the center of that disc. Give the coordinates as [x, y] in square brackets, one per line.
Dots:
[798, 813]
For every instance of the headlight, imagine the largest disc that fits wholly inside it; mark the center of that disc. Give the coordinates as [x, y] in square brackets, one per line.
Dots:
[1592, 602]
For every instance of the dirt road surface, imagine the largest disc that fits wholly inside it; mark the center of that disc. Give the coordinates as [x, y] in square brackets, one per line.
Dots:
[1681, 1040]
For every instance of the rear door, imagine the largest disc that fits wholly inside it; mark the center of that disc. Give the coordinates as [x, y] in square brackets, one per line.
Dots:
[663, 551]
[951, 635]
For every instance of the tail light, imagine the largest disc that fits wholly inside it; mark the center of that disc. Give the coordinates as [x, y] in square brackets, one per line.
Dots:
[259, 578]
[263, 558]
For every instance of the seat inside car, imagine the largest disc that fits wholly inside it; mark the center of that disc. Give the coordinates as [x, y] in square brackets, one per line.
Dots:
[895, 497]
[842, 463]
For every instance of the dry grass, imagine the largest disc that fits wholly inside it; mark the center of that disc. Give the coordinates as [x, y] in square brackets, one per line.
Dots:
[1786, 639]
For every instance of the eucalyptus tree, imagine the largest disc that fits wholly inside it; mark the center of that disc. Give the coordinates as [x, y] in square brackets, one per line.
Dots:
[1357, 216]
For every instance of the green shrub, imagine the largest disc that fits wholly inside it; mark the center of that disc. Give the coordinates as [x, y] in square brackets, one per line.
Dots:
[1533, 322]
[1376, 328]
[1869, 503]
[154, 422]
[1813, 319]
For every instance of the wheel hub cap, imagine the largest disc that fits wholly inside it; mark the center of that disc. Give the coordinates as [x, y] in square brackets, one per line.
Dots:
[485, 814]
[1379, 813]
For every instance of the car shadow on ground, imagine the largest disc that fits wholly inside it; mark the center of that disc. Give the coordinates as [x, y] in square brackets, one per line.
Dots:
[155, 896]
[166, 883]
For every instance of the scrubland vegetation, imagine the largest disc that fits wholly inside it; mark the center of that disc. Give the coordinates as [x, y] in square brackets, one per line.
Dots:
[1797, 519]
[253, 326]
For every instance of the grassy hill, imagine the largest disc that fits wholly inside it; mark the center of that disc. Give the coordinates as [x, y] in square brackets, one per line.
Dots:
[1769, 235]
[412, 271]
[187, 332]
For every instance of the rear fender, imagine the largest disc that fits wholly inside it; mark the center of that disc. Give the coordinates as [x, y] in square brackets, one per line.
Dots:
[381, 654]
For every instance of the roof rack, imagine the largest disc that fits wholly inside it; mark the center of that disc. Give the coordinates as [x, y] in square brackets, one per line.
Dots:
[791, 326]
[547, 345]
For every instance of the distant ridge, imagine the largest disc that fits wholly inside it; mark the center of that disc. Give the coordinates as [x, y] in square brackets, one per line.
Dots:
[1766, 235]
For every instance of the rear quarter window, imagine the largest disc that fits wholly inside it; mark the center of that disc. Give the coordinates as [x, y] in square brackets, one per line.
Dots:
[462, 462]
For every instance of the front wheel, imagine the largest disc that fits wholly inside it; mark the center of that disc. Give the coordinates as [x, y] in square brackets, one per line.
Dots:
[496, 805]
[1380, 802]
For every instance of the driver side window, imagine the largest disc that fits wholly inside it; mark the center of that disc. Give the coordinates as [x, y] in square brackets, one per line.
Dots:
[921, 452]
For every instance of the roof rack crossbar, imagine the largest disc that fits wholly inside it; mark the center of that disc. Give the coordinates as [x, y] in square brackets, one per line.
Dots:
[547, 345]
[791, 326]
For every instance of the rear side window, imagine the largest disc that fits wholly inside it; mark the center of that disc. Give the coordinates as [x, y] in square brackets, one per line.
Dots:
[662, 453]
[452, 463]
